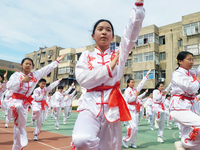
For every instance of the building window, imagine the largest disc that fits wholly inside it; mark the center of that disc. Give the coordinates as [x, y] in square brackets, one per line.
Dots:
[162, 56]
[49, 61]
[162, 74]
[162, 40]
[190, 29]
[42, 64]
[180, 43]
[50, 53]
[63, 70]
[114, 45]
[144, 57]
[11, 66]
[194, 49]
[147, 38]
[138, 75]
[49, 75]
[69, 56]
[126, 77]
[43, 54]
[128, 63]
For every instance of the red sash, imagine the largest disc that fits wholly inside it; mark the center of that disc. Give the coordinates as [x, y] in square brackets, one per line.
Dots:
[27, 100]
[137, 105]
[115, 99]
[43, 103]
[162, 106]
[185, 97]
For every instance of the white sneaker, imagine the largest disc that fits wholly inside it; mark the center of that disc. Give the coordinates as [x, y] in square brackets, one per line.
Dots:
[64, 122]
[124, 143]
[6, 125]
[156, 124]
[160, 140]
[56, 128]
[32, 122]
[178, 145]
[152, 129]
[35, 138]
[133, 146]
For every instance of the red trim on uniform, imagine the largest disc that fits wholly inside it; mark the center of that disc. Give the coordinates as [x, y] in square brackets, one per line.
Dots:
[15, 114]
[129, 133]
[109, 71]
[192, 134]
[43, 104]
[58, 61]
[138, 4]
[72, 146]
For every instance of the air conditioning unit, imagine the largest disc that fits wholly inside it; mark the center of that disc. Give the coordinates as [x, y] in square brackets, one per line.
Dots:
[72, 61]
[71, 73]
[162, 79]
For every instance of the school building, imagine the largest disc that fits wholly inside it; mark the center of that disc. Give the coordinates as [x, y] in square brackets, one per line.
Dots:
[156, 49]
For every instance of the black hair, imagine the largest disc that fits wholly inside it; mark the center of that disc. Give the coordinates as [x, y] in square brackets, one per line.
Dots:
[27, 59]
[42, 80]
[168, 95]
[60, 87]
[158, 84]
[1, 75]
[129, 80]
[103, 20]
[182, 55]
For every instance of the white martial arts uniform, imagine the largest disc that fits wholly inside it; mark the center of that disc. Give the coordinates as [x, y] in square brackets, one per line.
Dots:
[39, 103]
[183, 107]
[131, 98]
[47, 109]
[159, 110]
[20, 100]
[149, 108]
[67, 105]
[58, 103]
[166, 105]
[97, 126]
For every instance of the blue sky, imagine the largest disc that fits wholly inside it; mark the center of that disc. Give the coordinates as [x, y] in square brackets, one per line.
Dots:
[26, 25]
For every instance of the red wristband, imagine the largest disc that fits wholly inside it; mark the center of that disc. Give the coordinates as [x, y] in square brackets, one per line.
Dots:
[138, 3]
[57, 61]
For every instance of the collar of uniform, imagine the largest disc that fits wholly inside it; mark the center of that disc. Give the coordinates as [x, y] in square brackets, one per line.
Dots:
[184, 70]
[98, 50]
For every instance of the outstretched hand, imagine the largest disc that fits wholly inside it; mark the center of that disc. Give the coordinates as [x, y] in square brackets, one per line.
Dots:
[59, 58]
[5, 75]
[60, 79]
[114, 61]
[148, 73]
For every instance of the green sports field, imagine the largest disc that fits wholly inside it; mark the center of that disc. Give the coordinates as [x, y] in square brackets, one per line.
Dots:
[146, 139]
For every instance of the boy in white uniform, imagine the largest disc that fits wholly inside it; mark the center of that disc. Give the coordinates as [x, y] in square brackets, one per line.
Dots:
[39, 103]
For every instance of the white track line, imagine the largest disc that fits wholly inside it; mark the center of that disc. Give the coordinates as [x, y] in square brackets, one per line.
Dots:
[36, 141]
[174, 135]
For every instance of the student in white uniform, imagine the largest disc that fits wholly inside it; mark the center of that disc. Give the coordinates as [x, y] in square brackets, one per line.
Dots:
[67, 105]
[58, 100]
[159, 95]
[166, 105]
[39, 103]
[149, 104]
[22, 85]
[183, 108]
[98, 125]
[47, 109]
[131, 97]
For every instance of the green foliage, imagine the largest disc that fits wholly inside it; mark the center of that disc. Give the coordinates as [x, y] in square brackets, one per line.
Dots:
[2, 71]
[74, 107]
